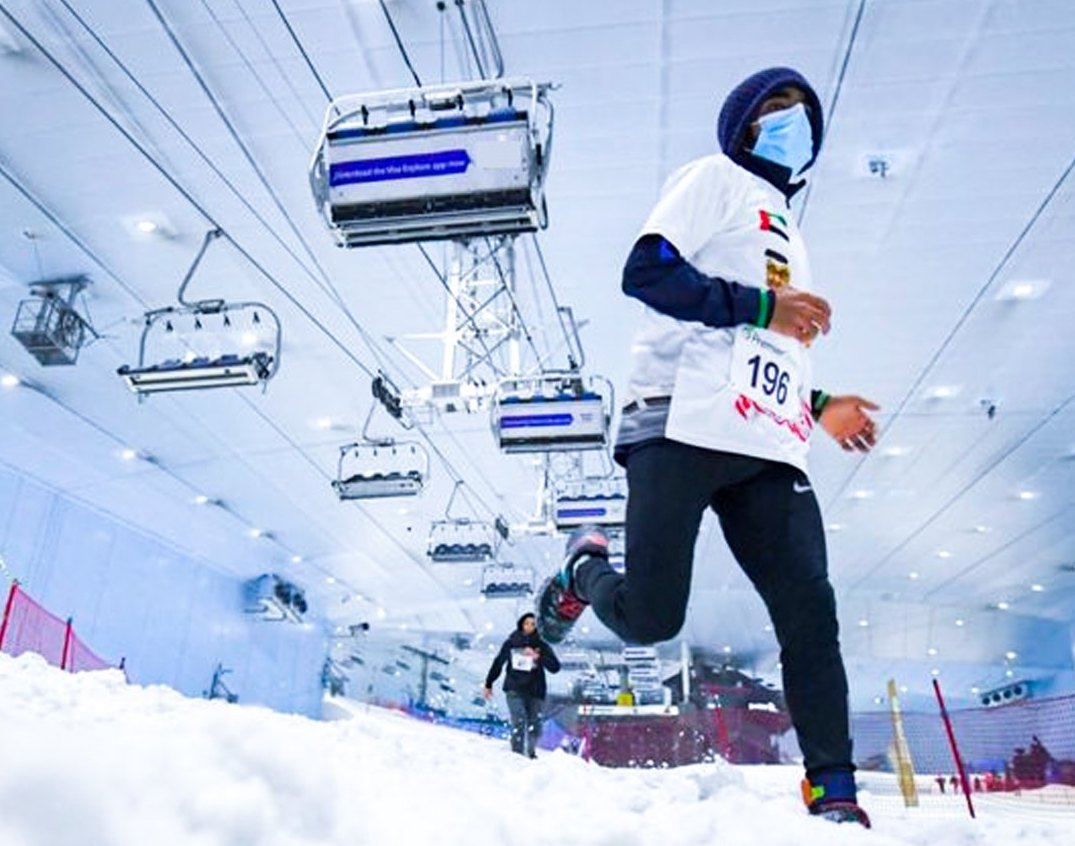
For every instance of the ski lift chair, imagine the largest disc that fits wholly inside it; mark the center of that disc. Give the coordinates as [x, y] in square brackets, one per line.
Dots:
[460, 539]
[506, 581]
[460, 160]
[597, 501]
[552, 413]
[377, 468]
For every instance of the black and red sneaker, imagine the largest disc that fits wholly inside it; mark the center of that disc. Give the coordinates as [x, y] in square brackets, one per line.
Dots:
[559, 604]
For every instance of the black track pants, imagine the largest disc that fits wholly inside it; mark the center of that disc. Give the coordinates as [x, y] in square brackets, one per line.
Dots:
[772, 523]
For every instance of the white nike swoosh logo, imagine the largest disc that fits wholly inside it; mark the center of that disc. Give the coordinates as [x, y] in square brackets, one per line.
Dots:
[795, 486]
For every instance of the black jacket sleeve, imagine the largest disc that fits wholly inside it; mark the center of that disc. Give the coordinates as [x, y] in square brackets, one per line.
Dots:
[548, 658]
[498, 663]
[660, 277]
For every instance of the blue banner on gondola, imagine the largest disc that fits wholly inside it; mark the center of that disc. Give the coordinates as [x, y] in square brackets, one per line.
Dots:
[414, 166]
[519, 421]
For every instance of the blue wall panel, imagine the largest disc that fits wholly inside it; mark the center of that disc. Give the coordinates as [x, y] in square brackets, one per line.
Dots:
[132, 596]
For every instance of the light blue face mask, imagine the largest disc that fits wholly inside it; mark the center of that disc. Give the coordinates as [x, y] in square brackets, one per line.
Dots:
[786, 138]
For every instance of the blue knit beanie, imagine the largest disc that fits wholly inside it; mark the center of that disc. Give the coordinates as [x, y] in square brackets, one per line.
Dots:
[740, 108]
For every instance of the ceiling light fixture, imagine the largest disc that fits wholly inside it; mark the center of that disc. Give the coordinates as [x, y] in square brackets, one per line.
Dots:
[894, 451]
[9, 380]
[1003, 606]
[201, 499]
[148, 225]
[1037, 588]
[912, 575]
[1026, 496]
[861, 493]
[1023, 289]
[1011, 656]
[256, 533]
[959, 622]
[864, 623]
[943, 553]
[296, 559]
[129, 454]
[943, 391]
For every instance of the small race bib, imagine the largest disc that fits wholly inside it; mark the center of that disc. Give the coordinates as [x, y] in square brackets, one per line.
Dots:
[521, 661]
[767, 373]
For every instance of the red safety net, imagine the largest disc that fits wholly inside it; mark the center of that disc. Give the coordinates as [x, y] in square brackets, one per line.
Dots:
[1024, 750]
[81, 657]
[26, 626]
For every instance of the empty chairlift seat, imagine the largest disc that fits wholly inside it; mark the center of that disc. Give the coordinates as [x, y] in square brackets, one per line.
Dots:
[199, 372]
[378, 470]
[552, 413]
[506, 581]
[450, 161]
[461, 540]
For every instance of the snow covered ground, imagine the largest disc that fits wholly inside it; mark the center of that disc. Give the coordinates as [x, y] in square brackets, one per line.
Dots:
[89, 760]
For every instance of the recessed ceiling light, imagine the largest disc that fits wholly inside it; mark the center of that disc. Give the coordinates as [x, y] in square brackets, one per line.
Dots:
[864, 623]
[943, 391]
[912, 575]
[1037, 588]
[9, 380]
[934, 672]
[1003, 606]
[489, 627]
[585, 630]
[323, 423]
[149, 225]
[931, 651]
[982, 530]
[835, 527]
[959, 622]
[256, 533]
[1023, 289]
[296, 559]
[201, 499]
[1011, 656]
[768, 627]
[129, 454]
[975, 690]
[381, 613]
[1026, 496]
[861, 493]
[894, 451]
[943, 553]
[727, 650]
[1009, 673]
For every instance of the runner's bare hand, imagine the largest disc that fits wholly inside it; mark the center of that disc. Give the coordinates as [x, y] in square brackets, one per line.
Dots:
[800, 315]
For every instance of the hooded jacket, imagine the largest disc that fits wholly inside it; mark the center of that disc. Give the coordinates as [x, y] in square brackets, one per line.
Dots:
[664, 280]
[530, 683]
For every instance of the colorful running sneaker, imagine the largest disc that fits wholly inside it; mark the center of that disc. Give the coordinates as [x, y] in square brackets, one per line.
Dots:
[559, 604]
[832, 797]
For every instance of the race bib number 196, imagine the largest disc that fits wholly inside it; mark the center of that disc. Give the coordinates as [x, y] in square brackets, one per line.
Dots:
[766, 373]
